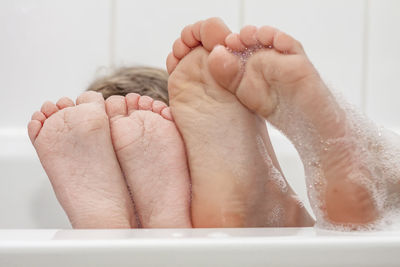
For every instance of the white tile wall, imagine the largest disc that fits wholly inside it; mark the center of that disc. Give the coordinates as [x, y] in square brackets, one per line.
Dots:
[330, 31]
[383, 62]
[48, 49]
[146, 30]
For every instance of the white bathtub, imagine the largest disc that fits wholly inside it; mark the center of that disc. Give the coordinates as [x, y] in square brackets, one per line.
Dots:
[198, 247]
[28, 202]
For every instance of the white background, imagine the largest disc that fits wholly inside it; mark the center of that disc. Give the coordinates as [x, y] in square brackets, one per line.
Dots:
[50, 49]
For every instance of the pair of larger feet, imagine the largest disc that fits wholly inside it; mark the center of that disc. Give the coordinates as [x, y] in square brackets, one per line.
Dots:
[222, 86]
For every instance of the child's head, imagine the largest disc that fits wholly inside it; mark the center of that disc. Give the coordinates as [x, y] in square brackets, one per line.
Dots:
[141, 80]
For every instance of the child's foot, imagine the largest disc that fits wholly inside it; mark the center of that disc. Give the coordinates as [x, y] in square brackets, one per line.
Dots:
[152, 156]
[270, 74]
[74, 145]
[236, 180]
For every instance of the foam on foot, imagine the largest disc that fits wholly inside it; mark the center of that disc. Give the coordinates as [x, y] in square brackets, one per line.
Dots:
[352, 178]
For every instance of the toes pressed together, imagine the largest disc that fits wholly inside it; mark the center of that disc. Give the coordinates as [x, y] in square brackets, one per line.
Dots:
[270, 74]
[208, 34]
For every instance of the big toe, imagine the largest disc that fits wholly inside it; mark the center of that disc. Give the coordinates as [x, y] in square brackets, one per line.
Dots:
[116, 106]
[90, 97]
[213, 32]
[285, 43]
[225, 68]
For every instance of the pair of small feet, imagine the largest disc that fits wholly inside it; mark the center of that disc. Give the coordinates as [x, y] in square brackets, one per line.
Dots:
[118, 163]
[221, 83]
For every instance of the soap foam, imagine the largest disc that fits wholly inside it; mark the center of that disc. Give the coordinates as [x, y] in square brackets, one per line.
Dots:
[274, 174]
[275, 217]
[375, 155]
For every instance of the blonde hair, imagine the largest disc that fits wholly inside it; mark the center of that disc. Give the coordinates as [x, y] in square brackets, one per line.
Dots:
[147, 81]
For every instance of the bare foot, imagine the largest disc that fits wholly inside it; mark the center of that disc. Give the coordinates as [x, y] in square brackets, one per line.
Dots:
[74, 145]
[270, 74]
[152, 156]
[236, 179]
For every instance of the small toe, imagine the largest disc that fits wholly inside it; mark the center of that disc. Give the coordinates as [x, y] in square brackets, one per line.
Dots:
[49, 108]
[158, 106]
[34, 127]
[116, 106]
[172, 62]
[180, 49]
[39, 116]
[145, 103]
[90, 97]
[132, 102]
[166, 114]
[65, 102]
[233, 42]
[248, 35]
[265, 35]
[188, 37]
